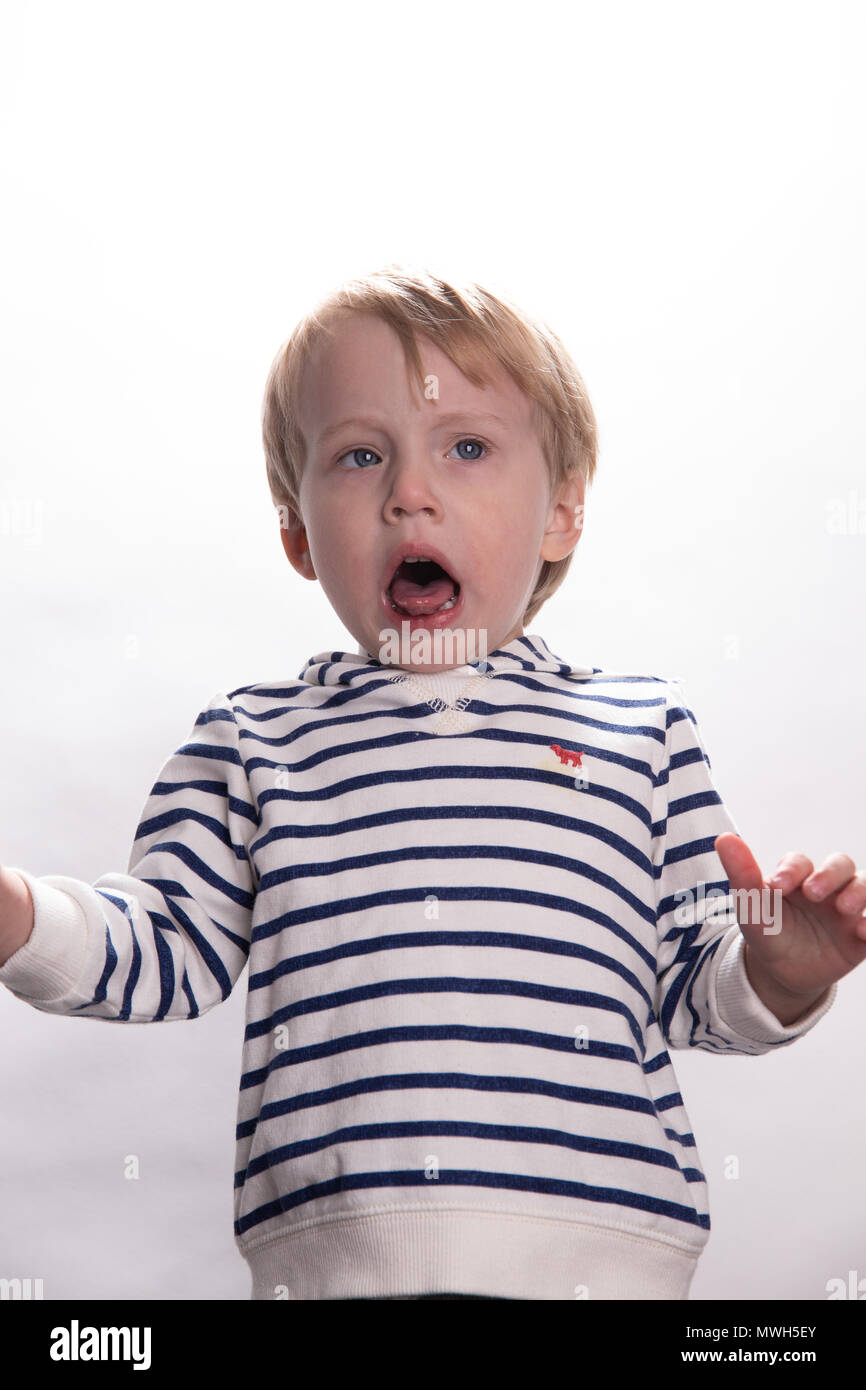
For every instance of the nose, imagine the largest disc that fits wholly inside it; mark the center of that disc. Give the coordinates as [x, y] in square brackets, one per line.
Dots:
[410, 489]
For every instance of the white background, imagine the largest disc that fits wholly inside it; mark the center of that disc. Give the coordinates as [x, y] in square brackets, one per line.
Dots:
[677, 188]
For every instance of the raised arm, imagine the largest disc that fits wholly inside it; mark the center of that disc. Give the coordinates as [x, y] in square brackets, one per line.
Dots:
[704, 996]
[167, 939]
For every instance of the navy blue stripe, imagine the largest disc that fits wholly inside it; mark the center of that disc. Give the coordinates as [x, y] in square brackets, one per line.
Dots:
[451, 1032]
[232, 891]
[414, 853]
[240, 808]
[318, 911]
[401, 941]
[397, 816]
[100, 993]
[447, 984]
[451, 1177]
[459, 1129]
[292, 705]
[463, 1081]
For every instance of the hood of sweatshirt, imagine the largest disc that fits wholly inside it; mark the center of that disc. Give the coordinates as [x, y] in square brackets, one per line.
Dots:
[527, 653]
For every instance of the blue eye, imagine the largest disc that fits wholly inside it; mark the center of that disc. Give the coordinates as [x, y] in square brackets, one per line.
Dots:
[470, 440]
[352, 452]
[369, 455]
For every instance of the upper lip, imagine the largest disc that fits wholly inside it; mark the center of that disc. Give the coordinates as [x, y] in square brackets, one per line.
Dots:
[399, 553]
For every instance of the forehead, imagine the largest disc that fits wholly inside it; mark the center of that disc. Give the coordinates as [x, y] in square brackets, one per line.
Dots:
[361, 367]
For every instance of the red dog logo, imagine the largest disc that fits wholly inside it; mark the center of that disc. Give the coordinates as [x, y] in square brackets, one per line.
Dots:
[567, 755]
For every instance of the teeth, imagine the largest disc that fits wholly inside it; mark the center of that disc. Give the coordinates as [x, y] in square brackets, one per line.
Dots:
[416, 559]
[442, 609]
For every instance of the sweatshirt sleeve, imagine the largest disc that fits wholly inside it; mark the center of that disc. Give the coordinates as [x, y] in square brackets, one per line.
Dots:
[704, 997]
[169, 938]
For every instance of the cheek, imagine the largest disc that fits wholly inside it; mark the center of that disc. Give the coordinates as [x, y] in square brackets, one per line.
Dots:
[328, 530]
[336, 557]
[516, 510]
[349, 570]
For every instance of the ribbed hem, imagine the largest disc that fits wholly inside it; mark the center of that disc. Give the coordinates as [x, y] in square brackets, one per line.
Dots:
[49, 963]
[440, 1250]
[742, 1008]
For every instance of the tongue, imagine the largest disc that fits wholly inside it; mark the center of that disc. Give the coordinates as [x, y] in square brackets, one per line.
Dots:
[422, 598]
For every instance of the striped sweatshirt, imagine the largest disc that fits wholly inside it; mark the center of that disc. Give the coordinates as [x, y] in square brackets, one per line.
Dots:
[479, 909]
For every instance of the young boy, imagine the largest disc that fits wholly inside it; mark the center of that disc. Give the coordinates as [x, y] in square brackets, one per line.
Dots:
[482, 890]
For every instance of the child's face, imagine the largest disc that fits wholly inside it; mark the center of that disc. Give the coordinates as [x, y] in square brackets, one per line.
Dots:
[384, 467]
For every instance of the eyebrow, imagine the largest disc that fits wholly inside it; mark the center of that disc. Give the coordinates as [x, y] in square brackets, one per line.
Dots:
[451, 417]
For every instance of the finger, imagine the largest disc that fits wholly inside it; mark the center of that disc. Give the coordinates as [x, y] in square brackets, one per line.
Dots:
[792, 868]
[852, 898]
[836, 870]
[738, 861]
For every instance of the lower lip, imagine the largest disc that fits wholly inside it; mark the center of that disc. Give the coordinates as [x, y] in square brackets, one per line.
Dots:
[430, 621]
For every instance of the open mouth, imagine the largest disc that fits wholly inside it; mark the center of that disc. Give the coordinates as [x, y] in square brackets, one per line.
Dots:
[420, 588]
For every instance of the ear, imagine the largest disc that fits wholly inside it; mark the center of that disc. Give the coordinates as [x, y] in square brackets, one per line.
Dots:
[565, 521]
[294, 538]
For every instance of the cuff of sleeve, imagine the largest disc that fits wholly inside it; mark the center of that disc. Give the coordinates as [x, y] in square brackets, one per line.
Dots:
[743, 1009]
[50, 962]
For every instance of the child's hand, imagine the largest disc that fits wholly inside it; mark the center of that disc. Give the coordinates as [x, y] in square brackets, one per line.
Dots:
[820, 938]
[16, 913]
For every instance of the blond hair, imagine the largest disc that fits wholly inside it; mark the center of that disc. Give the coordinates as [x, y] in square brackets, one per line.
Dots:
[472, 327]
